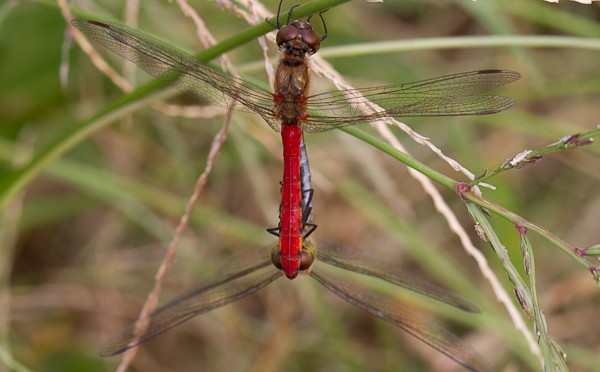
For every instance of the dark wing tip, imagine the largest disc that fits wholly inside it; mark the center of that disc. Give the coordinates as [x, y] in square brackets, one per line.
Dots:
[513, 75]
[80, 21]
[490, 71]
[96, 23]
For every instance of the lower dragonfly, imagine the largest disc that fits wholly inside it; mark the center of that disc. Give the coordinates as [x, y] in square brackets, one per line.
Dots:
[257, 268]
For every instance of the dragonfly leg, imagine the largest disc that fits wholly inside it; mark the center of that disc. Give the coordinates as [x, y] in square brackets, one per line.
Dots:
[324, 36]
[311, 228]
[273, 231]
[290, 12]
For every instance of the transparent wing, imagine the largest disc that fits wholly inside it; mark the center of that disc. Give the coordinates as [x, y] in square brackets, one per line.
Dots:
[254, 272]
[179, 68]
[357, 260]
[449, 95]
[401, 316]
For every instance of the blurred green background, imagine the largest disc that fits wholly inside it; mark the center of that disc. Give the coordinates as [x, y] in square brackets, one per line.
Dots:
[81, 243]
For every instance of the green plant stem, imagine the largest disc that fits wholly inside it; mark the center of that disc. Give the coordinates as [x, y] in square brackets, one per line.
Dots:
[513, 217]
[403, 157]
[554, 356]
[567, 143]
[462, 42]
[522, 292]
[470, 196]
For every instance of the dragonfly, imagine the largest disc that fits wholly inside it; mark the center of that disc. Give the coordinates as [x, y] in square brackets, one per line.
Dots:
[253, 270]
[291, 110]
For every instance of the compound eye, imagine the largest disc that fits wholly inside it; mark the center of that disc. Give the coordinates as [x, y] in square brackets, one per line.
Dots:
[311, 39]
[276, 259]
[287, 33]
[306, 260]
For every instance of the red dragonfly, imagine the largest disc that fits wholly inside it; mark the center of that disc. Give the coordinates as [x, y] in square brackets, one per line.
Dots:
[291, 110]
[254, 270]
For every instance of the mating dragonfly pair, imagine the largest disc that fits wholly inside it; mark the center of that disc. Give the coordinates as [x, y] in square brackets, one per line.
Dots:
[291, 111]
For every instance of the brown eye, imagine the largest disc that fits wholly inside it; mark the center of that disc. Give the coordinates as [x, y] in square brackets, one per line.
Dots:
[287, 33]
[311, 39]
[276, 258]
[306, 260]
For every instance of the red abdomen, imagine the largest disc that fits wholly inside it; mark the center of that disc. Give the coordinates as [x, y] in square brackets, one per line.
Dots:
[290, 213]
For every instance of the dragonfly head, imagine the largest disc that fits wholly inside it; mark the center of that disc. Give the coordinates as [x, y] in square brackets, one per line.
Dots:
[293, 266]
[298, 38]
